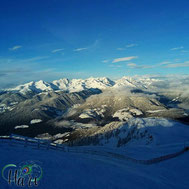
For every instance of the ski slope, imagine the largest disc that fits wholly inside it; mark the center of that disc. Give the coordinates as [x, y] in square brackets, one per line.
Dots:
[85, 170]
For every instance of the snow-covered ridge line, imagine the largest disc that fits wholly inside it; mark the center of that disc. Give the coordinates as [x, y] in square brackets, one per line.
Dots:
[75, 85]
[27, 141]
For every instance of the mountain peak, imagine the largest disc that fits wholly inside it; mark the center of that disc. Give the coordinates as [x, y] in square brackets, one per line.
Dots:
[76, 85]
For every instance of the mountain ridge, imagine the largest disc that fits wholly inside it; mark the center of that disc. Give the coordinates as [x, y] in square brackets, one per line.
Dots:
[76, 85]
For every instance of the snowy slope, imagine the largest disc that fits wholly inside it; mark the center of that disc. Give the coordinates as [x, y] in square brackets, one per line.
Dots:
[135, 82]
[138, 131]
[127, 82]
[38, 87]
[76, 85]
[62, 84]
[82, 171]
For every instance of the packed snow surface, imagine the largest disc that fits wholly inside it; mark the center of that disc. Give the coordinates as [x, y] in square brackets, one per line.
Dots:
[33, 121]
[82, 171]
[21, 127]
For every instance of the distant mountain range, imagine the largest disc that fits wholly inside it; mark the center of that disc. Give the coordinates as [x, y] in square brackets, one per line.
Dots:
[76, 85]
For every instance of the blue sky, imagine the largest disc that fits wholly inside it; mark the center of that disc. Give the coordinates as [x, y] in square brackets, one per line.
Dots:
[54, 39]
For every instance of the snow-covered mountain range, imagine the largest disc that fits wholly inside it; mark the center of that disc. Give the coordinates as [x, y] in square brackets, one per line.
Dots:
[75, 85]
[65, 105]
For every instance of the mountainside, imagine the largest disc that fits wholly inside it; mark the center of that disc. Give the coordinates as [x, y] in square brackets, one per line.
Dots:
[120, 105]
[139, 131]
[43, 106]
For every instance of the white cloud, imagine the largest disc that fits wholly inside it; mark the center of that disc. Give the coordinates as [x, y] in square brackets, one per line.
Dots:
[177, 65]
[32, 60]
[15, 48]
[177, 60]
[57, 50]
[121, 49]
[131, 45]
[127, 46]
[185, 51]
[80, 49]
[105, 61]
[164, 63]
[124, 59]
[115, 66]
[177, 48]
[133, 65]
[92, 46]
